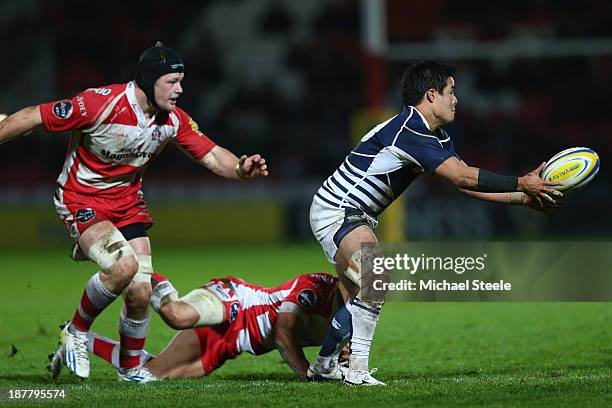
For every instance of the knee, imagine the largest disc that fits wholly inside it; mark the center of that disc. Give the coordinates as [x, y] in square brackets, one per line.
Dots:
[138, 295]
[124, 269]
[109, 250]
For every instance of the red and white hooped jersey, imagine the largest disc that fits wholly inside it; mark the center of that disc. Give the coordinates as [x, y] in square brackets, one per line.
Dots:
[252, 321]
[113, 141]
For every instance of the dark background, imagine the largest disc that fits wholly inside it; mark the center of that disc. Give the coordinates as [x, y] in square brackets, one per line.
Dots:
[288, 79]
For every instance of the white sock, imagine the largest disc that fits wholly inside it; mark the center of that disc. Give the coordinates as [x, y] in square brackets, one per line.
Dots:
[324, 362]
[364, 319]
[163, 293]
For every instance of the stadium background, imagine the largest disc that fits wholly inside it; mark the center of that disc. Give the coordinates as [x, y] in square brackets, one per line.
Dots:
[300, 82]
[297, 82]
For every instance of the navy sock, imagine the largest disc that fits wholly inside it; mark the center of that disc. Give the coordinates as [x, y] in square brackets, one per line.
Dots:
[339, 331]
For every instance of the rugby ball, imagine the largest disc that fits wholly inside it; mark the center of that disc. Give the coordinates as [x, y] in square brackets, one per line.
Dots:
[572, 168]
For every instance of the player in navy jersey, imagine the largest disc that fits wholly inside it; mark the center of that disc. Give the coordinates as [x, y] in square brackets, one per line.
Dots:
[116, 131]
[376, 172]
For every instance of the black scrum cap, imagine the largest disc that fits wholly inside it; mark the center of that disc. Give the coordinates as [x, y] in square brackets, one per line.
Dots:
[155, 62]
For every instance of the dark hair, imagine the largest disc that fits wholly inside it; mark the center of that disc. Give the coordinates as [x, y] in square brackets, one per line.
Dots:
[421, 76]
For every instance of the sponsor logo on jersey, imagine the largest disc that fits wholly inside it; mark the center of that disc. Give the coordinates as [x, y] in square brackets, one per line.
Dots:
[100, 91]
[82, 108]
[307, 298]
[220, 290]
[84, 215]
[194, 126]
[62, 109]
[118, 134]
[131, 154]
[234, 309]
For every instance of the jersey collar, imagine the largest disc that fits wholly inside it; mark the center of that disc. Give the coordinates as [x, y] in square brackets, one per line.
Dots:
[422, 117]
[143, 121]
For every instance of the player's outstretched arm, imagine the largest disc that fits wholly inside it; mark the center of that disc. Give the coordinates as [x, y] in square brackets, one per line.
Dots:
[285, 341]
[480, 180]
[20, 123]
[519, 198]
[225, 164]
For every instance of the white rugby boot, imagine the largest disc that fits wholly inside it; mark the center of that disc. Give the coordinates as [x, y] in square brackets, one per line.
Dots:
[138, 375]
[335, 371]
[361, 377]
[71, 351]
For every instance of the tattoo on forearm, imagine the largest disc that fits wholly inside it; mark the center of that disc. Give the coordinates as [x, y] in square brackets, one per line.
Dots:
[287, 357]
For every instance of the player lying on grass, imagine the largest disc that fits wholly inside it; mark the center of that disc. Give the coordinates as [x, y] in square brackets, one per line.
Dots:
[228, 316]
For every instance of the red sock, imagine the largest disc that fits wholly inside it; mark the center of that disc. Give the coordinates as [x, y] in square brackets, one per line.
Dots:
[103, 347]
[108, 349]
[157, 278]
[96, 297]
[132, 334]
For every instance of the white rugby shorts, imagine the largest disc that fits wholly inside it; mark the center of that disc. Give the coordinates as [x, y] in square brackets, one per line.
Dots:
[331, 224]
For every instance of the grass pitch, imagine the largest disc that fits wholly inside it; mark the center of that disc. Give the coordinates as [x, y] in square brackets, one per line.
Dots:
[430, 354]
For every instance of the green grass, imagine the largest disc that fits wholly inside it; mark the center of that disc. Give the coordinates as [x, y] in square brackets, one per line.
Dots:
[430, 354]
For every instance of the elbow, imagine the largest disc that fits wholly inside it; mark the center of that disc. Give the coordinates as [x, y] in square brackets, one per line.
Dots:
[29, 118]
[20, 124]
[278, 338]
[466, 180]
[462, 183]
[31, 110]
[4, 137]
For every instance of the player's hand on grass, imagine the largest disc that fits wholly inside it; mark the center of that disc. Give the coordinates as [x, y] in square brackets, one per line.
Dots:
[252, 166]
[532, 184]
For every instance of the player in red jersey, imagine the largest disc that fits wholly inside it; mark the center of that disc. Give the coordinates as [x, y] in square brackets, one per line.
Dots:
[116, 131]
[228, 316]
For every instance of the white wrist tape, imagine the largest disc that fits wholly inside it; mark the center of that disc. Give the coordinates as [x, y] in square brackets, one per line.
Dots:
[516, 197]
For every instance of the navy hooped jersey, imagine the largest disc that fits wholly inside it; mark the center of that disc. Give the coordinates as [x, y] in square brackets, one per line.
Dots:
[385, 162]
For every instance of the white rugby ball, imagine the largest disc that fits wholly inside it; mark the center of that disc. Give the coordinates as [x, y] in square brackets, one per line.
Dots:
[572, 168]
